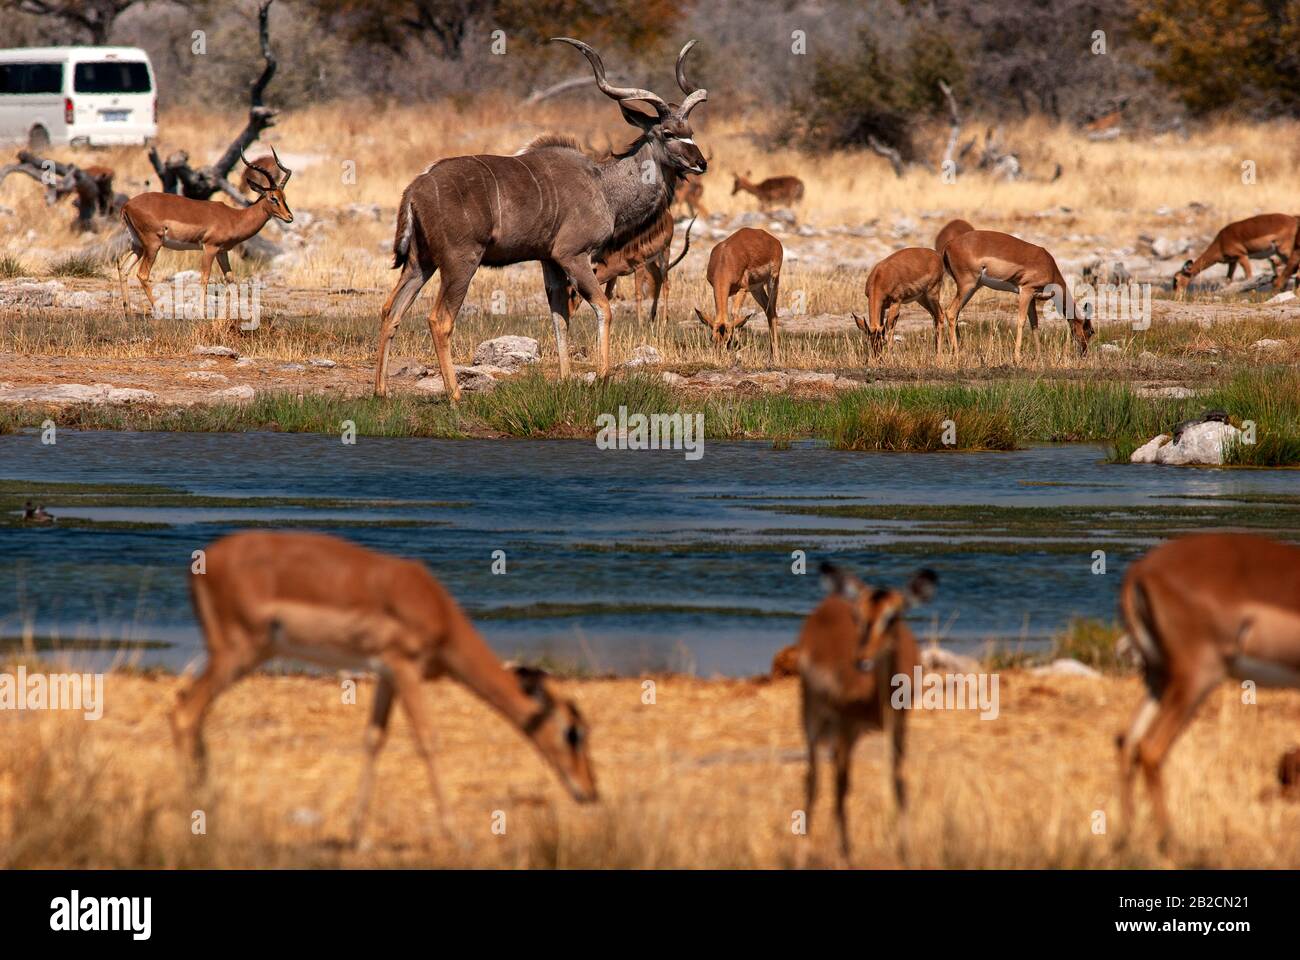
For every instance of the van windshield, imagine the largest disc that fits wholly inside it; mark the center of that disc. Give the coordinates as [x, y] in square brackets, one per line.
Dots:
[111, 76]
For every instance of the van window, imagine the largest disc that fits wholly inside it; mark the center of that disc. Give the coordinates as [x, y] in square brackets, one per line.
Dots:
[31, 78]
[112, 76]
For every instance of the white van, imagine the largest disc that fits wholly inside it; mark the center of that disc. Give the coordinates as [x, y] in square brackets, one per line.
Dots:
[78, 96]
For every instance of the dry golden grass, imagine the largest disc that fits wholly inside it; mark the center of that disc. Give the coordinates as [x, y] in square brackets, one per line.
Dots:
[708, 776]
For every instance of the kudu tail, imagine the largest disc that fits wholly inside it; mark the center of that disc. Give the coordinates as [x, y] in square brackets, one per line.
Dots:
[405, 231]
[685, 248]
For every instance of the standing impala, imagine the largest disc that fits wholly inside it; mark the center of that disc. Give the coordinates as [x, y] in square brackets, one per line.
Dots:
[912, 274]
[551, 203]
[157, 220]
[748, 261]
[1200, 609]
[645, 259]
[773, 190]
[1269, 236]
[850, 649]
[312, 597]
[999, 261]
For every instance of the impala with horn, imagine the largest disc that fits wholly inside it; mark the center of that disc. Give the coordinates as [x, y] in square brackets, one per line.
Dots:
[157, 220]
[551, 203]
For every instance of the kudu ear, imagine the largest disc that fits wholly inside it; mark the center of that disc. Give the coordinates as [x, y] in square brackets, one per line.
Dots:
[836, 581]
[638, 119]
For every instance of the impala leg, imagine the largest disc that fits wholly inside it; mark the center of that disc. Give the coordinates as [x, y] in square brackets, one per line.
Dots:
[223, 261]
[965, 290]
[887, 327]
[1285, 274]
[205, 271]
[1177, 705]
[1022, 316]
[1128, 743]
[224, 667]
[413, 278]
[1033, 327]
[764, 301]
[376, 734]
[407, 682]
[931, 304]
[124, 275]
[146, 265]
[770, 308]
[1245, 266]
[843, 752]
[562, 298]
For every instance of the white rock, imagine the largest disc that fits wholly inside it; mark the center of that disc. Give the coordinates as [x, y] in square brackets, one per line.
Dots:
[475, 379]
[186, 276]
[1267, 344]
[293, 368]
[1200, 443]
[1147, 452]
[770, 381]
[1286, 296]
[31, 293]
[644, 355]
[1110, 348]
[245, 362]
[206, 376]
[99, 393]
[811, 378]
[1066, 667]
[216, 351]
[238, 394]
[510, 352]
[1176, 392]
[672, 379]
[322, 362]
[936, 659]
[589, 377]
[1164, 248]
[81, 299]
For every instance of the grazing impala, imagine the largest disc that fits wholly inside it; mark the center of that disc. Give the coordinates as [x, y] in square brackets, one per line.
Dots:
[987, 258]
[1269, 236]
[157, 220]
[550, 202]
[850, 649]
[645, 259]
[953, 228]
[772, 191]
[692, 196]
[1199, 609]
[912, 274]
[312, 597]
[748, 261]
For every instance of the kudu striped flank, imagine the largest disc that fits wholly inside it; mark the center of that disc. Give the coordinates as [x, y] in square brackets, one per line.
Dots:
[551, 203]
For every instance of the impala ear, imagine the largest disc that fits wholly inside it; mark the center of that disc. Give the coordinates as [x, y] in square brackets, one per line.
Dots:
[531, 682]
[745, 319]
[862, 324]
[702, 318]
[836, 581]
[922, 587]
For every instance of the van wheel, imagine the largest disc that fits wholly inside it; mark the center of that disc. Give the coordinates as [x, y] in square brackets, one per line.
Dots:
[38, 139]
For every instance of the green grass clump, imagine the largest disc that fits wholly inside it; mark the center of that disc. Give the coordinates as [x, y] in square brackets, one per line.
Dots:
[76, 266]
[10, 267]
[1091, 642]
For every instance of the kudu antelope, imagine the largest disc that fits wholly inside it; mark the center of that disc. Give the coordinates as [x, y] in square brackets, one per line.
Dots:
[953, 228]
[914, 274]
[999, 261]
[748, 261]
[645, 259]
[770, 192]
[157, 220]
[1199, 609]
[320, 599]
[850, 649]
[1269, 236]
[551, 203]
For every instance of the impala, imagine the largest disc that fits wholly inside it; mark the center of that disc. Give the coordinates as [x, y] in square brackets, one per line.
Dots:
[850, 649]
[1269, 236]
[157, 220]
[987, 258]
[268, 165]
[692, 196]
[953, 228]
[551, 203]
[772, 191]
[645, 259]
[1199, 609]
[317, 598]
[914, 274]
[748, 261]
